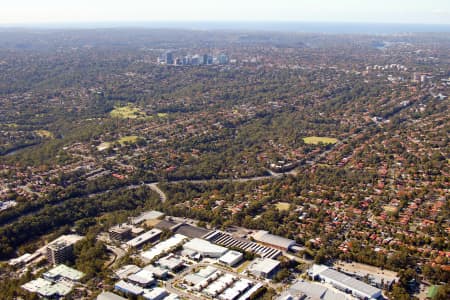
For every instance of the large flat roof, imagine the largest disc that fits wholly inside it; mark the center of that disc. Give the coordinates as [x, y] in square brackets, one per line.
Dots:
[128, 287]
[231, 257]
[143, 238]
[148, 215]
[59, 288]
[204, 247]
[191, 231]
[126, 270]
[34, 285]
[271, 239]
[349, 282]
[64, 271]
[164, 246]
[142, 277]
[264, 265]
[316, 291]
[109, 296]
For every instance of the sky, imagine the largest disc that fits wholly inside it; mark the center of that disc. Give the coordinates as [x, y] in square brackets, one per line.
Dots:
[366, 11]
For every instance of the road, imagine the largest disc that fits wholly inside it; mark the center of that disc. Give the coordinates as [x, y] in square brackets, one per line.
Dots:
[118, 253]
[169, 285]
[163, 196]
[154, 187]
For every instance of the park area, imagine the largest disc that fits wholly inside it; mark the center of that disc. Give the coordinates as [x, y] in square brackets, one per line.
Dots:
[315, 140]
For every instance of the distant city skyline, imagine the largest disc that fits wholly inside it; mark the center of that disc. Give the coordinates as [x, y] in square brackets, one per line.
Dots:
[364, 11]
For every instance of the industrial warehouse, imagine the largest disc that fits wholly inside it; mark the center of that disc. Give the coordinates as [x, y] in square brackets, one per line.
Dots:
[344, 283]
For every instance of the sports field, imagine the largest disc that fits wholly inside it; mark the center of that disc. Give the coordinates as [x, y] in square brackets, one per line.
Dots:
[127, 112]
[319, 139]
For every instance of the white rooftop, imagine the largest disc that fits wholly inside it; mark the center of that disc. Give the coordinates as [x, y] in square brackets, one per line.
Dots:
[35, 285]
[263, 265]
[145, 216]
[59, 288]
[109, 296]
[316, 291]
[231, 257]
[69, 239]
[205, 248]
[348, 282]
[127, 270]
[64, 271]
[128, 287]
[144, 277]
[164, 246]
[156, 293]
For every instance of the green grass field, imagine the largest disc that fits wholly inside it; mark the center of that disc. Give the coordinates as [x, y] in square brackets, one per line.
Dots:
[130, 139]
[282, 206]
[127, 112]
[432, 291]
[318, 139]
[44, 134]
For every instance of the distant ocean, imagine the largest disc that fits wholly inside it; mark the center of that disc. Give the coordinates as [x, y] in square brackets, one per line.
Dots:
[307, 27]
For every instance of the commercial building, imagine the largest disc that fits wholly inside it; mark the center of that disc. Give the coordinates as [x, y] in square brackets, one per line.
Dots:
[203, 277]
[24, 259]
[146, 216]
[254, 289]
[235, 290]
[143, 278]
[156, 294]
[147, 237]
[109, 296]
[310, 290]
[127, 270]
[343, 282]
[169, 58]
[231, 258]
[59, 252]
[205, 248]
[128, 288]
[225, 239]
[223, 59]
[219, 285]
[158, 272]
[172, 297]
[264, 267]
[164, 247]
[56, 290]
[272, 240]
[120, 233]
[64, 272]
[170, 263]
[56, 283]
[35, 285]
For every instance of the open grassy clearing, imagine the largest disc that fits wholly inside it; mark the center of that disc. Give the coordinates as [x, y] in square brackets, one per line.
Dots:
[44, 134]
[127, 112]
[282, 206]
[319, 139]
[243, 266]
[130, 139]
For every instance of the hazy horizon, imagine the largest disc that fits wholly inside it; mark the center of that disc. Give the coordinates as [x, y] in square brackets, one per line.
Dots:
[273, 26]
[22, 12]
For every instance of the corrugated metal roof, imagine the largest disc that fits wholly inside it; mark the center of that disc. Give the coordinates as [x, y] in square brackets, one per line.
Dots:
[350, 283]
[271, 239]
